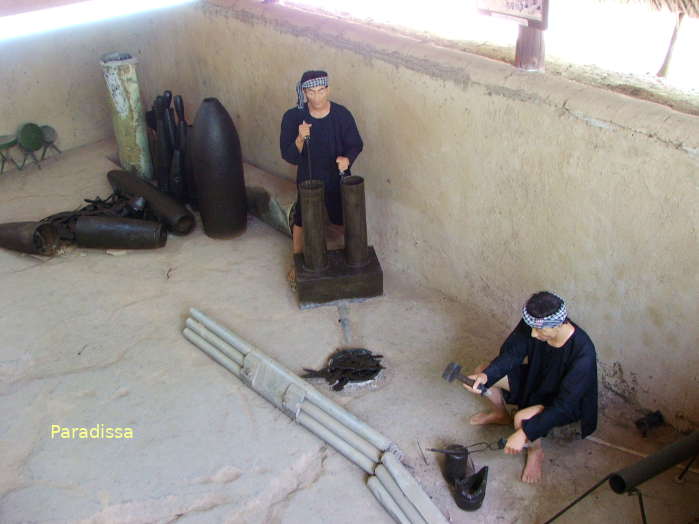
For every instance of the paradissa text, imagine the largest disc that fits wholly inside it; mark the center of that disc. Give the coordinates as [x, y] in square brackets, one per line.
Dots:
[100, 431]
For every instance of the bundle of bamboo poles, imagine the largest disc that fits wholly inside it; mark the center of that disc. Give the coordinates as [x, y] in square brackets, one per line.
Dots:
[389, 481]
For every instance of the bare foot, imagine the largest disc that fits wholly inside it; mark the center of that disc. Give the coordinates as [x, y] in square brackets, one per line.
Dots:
[533, 470]
[491, 417]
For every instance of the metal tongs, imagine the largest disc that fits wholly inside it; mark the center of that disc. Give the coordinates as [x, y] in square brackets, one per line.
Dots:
[474, 448]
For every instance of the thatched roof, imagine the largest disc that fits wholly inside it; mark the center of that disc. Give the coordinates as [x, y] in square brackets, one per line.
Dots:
[688, 7]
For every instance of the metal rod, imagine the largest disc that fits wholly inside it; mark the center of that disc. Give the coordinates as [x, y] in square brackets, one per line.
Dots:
[210, 337]
[412, 490]
[312, 197]
[385, 499]
[370, 451]
[340, 445]
[593, 488]
[640, 504]
[234, 340]
[211, 351]
[680, 477]
[354, 217]
[388, 482]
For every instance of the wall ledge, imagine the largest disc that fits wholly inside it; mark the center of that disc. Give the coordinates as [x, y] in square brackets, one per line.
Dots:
[595, 106]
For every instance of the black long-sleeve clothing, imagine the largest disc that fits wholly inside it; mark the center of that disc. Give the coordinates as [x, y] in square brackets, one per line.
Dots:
[331, 136]
[563, 379]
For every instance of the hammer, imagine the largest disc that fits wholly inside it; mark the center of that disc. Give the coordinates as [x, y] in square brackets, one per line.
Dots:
[453, 371]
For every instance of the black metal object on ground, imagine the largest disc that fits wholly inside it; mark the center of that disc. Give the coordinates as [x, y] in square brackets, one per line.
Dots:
[218, 171]
[650, 421]
[114, 206]
[348, 365]
[626, 480]
[338, 281]
[174, 215]
[36, 238]
[468, 486]
[315, 252]
[119, 233]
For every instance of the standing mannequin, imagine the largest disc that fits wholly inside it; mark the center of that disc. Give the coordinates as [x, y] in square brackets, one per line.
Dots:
[334, 141]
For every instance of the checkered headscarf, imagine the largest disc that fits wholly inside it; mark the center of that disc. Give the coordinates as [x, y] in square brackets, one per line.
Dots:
[553, 320]
[310, 79]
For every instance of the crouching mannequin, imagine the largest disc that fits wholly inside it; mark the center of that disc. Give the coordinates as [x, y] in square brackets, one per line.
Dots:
[547, 367]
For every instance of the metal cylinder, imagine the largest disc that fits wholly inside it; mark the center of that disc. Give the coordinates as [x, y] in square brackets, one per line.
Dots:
[384, 498]
[215, 341]
[346, 434]
[354, 213]
[218, 171]
[315, 252]
[412, 490]
[336, 442]
[127, 113]
[36, 238]
[647, 468]
[119, 233]
[389, 483]
[173, 214]
[210, 350]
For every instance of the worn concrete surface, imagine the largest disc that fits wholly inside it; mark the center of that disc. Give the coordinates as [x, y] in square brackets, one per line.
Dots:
[482, 181]
[94, 338]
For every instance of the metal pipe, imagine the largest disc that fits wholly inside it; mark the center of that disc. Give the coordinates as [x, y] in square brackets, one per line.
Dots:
[214, 353]
[340, 445]
[388, 482]
[385, 500]
[128, 117]
[354, 216]
[108, 232]
[412, 490]
[312, 394]
[38, 238]
[357, 442]
[233, 339]
[312, 200]
[207, 335]
[630, 451]
[628, 478]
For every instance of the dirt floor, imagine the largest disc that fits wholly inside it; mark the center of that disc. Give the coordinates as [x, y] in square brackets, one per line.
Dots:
[94, 337]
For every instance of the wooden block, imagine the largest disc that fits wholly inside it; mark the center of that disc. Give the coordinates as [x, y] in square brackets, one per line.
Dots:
[338, 281]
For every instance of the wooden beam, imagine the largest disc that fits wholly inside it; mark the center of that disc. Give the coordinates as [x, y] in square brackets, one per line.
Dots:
[530, 49]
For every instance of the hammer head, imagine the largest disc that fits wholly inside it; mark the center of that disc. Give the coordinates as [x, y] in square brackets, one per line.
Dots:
[451, 371]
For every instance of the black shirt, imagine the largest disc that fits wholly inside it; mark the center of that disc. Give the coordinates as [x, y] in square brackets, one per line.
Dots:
[334, 135]
[563, 379]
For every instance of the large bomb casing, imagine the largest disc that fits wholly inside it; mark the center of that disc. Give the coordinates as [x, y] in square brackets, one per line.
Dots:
[217, 165]
[119, 233]
[39, 238]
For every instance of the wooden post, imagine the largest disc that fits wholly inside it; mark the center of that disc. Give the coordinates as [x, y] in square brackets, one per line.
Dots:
[668, 56]
[530, 49]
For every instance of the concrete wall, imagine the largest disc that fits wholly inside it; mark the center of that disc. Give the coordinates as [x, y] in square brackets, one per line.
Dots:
[482, 181]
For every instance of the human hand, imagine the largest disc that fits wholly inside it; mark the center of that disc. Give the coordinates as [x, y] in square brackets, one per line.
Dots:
[304, 130]
[342, 163]
[478, 380]
[516, 442]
